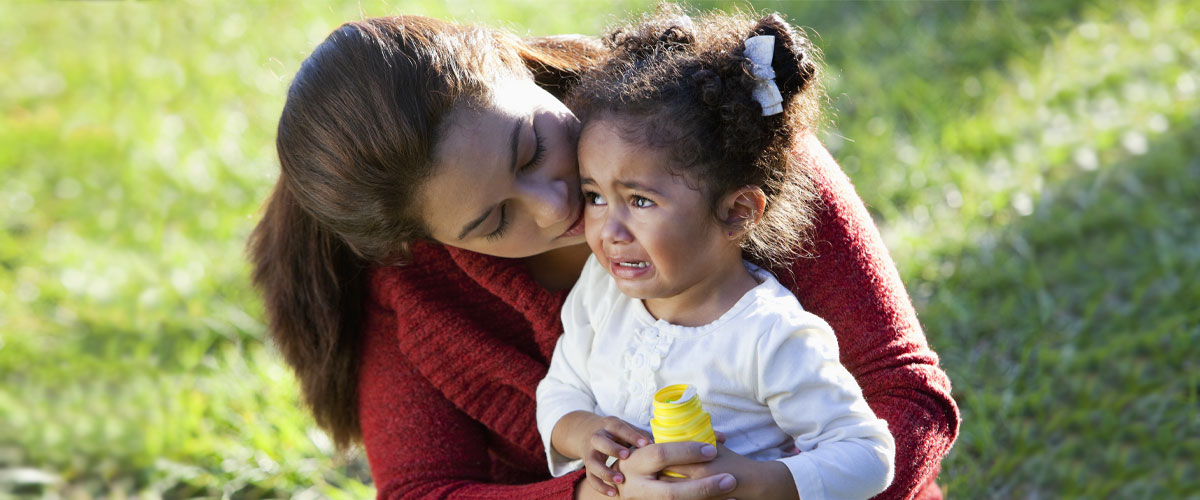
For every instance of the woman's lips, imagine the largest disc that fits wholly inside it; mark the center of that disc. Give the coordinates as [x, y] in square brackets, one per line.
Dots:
[628, 269]
[576, 229]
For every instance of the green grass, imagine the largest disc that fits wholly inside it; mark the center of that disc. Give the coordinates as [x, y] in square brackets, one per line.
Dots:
[1034, 167]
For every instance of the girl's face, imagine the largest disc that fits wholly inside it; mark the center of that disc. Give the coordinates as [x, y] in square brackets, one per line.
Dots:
[505, 179]
[654, 234]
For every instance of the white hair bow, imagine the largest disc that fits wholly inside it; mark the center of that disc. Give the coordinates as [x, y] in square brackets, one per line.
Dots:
[760, 49]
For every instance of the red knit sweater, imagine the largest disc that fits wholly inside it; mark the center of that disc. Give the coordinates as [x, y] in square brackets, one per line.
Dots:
[456, 343]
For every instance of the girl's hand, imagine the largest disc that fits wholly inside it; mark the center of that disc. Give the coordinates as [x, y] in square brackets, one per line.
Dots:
[641, 470]
[769, 479]
[612, 437]
[593, 439]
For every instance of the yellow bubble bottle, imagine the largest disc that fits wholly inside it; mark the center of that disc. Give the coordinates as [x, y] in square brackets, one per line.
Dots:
[678, 416]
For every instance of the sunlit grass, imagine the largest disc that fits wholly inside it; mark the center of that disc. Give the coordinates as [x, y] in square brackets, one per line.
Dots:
[1034, 166]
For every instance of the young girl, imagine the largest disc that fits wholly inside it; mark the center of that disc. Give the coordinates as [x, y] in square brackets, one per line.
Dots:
[684, 167]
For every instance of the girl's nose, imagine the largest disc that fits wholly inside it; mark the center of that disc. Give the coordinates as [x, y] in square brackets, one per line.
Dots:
[613, 230]
[550, 203]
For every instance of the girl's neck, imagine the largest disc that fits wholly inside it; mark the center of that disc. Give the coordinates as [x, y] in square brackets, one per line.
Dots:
[708, 299]
[558, 269]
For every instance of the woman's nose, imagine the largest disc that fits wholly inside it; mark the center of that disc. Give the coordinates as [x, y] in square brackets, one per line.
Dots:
[550, 203]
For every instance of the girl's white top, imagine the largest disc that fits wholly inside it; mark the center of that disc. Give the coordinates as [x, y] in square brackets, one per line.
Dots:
[766, 370]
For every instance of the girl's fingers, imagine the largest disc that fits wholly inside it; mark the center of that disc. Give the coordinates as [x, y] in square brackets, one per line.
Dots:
[607, 446]
[596, 467]
[601, 486]
[627, 433]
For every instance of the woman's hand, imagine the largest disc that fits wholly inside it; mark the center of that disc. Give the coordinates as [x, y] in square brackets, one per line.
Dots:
[756, 480]
[641, 470]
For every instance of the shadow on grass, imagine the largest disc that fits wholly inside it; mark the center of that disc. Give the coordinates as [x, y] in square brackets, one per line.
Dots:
[1073, 338]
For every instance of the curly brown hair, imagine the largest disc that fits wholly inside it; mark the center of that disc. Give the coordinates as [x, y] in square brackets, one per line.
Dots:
[683, 84]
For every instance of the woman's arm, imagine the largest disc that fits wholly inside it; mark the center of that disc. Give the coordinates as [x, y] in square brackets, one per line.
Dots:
[853, 285]
[420, 446]
[418, 443]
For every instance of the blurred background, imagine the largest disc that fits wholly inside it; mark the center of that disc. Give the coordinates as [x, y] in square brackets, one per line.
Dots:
[1034, 168]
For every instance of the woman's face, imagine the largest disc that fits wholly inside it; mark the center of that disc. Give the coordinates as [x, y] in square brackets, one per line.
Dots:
[505, 179]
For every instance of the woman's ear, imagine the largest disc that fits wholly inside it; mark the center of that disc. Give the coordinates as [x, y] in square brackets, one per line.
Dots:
[742, 208]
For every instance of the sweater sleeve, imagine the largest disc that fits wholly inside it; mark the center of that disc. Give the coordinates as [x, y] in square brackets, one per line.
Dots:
[419, 445]
[846, 452]
[853, 285]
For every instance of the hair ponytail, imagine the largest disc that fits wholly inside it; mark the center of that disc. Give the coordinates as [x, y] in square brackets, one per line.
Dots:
[794, 67]
[313, 291]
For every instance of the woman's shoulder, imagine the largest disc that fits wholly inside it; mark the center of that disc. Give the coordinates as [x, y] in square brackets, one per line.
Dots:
[780, 315]
[428, 270]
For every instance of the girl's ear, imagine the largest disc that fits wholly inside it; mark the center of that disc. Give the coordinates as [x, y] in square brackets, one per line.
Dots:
[742, 208]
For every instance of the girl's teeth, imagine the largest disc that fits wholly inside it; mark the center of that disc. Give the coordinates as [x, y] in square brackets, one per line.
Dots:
[633, 264]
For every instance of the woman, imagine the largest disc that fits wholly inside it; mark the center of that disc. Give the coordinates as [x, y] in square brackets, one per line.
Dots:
[440, 147]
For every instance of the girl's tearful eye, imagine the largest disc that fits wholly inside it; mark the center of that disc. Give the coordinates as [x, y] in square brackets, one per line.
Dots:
[593, 198]
[641, 202]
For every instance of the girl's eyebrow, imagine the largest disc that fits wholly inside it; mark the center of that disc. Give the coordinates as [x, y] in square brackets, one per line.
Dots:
[626, 184]
[638, 187]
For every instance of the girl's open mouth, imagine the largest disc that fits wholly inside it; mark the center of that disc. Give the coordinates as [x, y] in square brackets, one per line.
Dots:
[629, 269]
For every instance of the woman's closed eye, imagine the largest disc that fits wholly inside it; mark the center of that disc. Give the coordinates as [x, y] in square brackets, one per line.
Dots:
[539, 153]
[500, 228]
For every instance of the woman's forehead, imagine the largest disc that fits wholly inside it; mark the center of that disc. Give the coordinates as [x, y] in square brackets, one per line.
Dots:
[469, 163]
[474, 155]
[476, 128]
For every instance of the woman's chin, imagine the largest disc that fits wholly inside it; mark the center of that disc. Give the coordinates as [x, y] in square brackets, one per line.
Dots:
[570, 241]
[555, 245]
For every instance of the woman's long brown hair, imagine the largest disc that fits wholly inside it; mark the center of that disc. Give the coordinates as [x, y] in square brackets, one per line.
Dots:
[355, 140]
